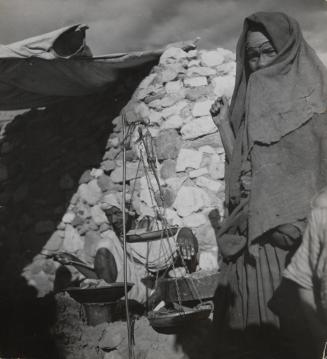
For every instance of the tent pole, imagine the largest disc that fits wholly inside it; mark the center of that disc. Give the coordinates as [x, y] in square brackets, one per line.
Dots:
[128, 320]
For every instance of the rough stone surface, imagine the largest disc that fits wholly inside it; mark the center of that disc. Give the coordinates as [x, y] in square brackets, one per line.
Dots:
[168, 169]
[198, 127]
[208, 183]
[190, 200]
[212, 58]
[188, 158]
[202, 108]
[90, 193]
[223, 85]
[196, 81]
[72, 240]
[168, 144]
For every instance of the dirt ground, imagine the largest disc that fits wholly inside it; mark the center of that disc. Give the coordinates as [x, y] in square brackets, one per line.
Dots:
[77, 340]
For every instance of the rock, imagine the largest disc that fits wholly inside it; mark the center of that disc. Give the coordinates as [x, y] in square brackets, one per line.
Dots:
[174, 110]
[108, 165]
[41, 283]
[216, 168]
[167, 101]
[168, 74]
[96, 172]
[194, 220]
[82, 210]
[175, 183]
[198, 127]
[174, 86]
[194, 63]
[188, 158]
[77, 221]
[190, 199]
[208, 183]
[199, 172]
[224, 85]
[172, 53]
[228, 68]
[72, 240]
[166, 198]
[3, 172]
[90, 193]
[142, 111]
[132, 171]
[49, 266]
[174, 121]
[66, 182]
[91, 243]
[197, 93]
[212, 58]
[112, 154]
[201, 71]
[155, 117]
[208, 149]
[43, 227]
[111, 200]
[68, 217]
[98, 215]
[105, 183]
[212, 140]
[145, 83]
[86, 177]
[202, 108]
[168, 169]
[168, 144]
[54, 242]
[196, 81]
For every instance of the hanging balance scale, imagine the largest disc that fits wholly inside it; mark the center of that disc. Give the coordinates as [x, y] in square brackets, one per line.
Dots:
[186, 297]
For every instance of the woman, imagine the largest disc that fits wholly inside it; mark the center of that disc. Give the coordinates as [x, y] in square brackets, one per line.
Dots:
[275, 137]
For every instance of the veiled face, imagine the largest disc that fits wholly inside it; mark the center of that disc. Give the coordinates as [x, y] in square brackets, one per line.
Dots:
[259, 51]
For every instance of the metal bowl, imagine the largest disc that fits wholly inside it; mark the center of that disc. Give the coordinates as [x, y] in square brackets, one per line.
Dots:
[107, 294]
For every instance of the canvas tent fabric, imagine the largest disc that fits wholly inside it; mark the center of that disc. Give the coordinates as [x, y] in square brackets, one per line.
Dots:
[45, 69]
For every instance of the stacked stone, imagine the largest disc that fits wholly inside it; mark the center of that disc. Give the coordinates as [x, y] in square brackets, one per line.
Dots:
[172, 103]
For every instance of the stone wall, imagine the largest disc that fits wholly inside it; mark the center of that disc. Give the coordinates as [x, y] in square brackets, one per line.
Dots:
[173, 101]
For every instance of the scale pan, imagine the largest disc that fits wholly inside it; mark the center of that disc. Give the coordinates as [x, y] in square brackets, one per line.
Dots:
[136, 236]
[171, 322]
[109, 293]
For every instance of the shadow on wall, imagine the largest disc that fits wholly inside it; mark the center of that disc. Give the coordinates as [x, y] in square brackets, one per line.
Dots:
[43, 155]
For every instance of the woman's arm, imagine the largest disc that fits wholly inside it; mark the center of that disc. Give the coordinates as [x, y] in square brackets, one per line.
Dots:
[220, 116]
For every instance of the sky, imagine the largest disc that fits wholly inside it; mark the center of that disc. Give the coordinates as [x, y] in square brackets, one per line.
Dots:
[125, 25]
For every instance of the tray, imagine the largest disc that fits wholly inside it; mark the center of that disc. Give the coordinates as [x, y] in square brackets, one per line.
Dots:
[151, 236]
[172, 322]
[110, 293]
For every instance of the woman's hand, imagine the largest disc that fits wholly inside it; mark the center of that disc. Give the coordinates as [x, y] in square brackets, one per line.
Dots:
[220, 110]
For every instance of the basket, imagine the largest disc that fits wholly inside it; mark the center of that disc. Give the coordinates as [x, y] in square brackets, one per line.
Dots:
[172, 321]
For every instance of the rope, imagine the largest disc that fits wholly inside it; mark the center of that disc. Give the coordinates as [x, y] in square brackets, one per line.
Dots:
[129, 332]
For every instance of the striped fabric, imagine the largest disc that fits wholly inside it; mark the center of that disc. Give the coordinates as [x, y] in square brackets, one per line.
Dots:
[308, 267]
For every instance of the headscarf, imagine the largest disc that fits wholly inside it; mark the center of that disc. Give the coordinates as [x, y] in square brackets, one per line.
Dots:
[281, 97]
[270, 104]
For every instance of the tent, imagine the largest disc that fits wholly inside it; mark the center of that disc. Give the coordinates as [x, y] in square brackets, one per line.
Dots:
[45, 69]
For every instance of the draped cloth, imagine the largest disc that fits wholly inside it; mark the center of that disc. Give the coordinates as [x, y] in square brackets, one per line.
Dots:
[279, 121]
[268, 105]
